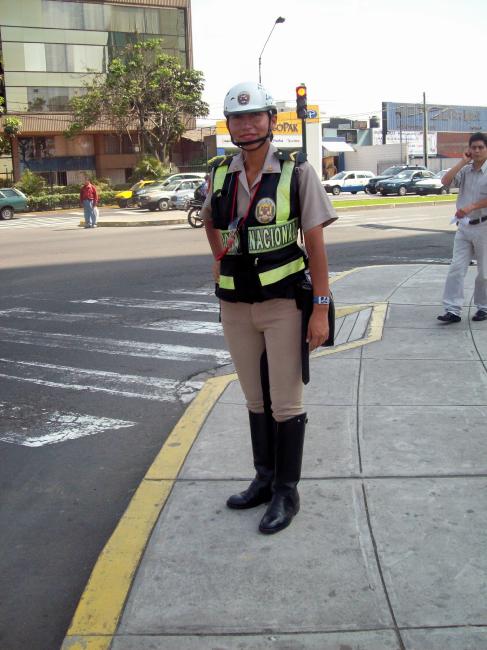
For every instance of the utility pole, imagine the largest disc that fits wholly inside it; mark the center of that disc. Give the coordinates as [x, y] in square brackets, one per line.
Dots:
[399, 115]
[425, 132]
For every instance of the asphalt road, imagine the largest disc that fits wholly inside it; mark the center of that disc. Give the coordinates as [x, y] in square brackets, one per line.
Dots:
[104, 337]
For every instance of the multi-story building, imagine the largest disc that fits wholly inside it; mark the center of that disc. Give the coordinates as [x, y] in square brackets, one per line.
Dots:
[50, 49]
[447, 127]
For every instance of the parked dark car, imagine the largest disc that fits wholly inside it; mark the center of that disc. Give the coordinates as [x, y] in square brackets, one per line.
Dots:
[12, 201]
[432, 185]
[404, 182]
[371, 187]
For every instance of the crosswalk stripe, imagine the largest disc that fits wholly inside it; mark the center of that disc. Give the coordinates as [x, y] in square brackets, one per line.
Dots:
[81, 379]
[41, 222]
[31, 314]
[140, 303]
[184, 326]
[111, 346]
[209, 291]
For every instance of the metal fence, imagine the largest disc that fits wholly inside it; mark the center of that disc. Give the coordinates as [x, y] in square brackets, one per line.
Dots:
[6, 179]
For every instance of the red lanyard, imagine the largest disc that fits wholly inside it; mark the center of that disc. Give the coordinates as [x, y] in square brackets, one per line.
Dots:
[231, 238]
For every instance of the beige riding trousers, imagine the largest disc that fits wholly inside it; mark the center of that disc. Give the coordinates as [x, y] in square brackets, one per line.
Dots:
[274, 326]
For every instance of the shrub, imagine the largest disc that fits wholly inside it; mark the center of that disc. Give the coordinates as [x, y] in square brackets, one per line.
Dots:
[31, 183]
[42, 202]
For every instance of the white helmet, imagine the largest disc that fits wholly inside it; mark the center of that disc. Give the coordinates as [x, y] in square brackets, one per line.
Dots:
[248, 97]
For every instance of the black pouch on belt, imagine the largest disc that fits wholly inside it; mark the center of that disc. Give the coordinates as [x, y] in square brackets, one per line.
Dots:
[304, 302]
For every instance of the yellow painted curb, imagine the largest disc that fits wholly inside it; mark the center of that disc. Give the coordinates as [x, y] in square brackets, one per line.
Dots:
[87, 643]
[173, 454]
[101, 605]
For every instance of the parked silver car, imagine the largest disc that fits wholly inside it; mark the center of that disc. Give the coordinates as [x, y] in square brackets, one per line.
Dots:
[164, 198]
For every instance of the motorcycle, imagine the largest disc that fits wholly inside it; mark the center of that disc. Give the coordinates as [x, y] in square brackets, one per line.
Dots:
[194, 219]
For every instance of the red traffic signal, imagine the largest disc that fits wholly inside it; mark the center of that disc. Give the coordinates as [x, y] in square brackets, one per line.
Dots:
[301, 102]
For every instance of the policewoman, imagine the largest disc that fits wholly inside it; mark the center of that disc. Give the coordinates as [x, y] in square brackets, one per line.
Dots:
[257, 201]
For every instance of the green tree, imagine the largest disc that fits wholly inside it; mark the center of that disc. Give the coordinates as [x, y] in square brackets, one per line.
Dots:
[146, 92]
[149, 167]
[12, 126]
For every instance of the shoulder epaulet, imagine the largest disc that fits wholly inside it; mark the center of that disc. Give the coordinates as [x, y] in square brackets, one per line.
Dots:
[218, 161]
[296, 156]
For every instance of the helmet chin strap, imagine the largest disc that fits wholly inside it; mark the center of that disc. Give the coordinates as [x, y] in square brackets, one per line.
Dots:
[243, 145]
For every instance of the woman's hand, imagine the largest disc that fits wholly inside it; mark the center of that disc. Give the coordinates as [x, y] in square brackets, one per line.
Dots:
[216, 271]
[318, 330]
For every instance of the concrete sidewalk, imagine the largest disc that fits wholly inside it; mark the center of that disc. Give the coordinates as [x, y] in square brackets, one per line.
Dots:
[389, 549]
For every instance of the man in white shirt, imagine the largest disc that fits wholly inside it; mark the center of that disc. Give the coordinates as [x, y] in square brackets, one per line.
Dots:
[470, 174]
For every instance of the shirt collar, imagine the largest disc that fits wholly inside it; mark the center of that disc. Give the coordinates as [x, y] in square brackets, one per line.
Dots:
[482, 169]
[271, 163]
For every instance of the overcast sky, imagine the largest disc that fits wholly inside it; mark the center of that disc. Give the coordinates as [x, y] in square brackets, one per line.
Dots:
[352, 54]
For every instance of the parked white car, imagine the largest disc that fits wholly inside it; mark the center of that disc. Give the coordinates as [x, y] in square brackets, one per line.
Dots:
[184, 176]
[352, 181]
[164, 198]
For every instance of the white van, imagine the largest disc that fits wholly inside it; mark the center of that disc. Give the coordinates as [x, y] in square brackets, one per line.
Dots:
[348, 182]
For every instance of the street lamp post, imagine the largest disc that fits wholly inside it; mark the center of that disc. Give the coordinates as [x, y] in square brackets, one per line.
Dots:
[280, 19]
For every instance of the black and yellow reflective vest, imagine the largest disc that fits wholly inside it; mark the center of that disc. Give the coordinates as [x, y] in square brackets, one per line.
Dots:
[265, 260]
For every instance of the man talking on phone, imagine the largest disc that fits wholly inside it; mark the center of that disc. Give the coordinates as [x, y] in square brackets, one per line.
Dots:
[470, 175]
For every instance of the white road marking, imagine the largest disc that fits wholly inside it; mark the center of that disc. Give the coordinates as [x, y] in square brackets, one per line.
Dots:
[41, 222]
[51, 428]
[140, 303]
[80, 379]
[31, 314]
[210, 291]
[185, 326]
[113, 346]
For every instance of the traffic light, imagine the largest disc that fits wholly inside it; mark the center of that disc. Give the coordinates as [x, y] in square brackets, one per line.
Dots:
[301, 102]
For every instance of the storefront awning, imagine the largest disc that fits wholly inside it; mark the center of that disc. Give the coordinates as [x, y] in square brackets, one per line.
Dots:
[335, 146]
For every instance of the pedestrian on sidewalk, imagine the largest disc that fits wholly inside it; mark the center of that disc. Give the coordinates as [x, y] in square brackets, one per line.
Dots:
[256, 201]
[470, 175]
[88, 198]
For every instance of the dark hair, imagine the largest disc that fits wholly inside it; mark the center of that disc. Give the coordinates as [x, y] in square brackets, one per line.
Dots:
[475, 137]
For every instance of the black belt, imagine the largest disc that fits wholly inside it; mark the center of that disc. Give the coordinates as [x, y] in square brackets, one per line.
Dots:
[476, 221]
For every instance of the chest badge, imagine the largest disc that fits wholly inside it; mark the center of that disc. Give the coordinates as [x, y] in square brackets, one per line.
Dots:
[265, 210]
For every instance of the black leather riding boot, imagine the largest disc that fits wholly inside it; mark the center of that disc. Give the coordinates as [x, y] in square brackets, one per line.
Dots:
[262, 436]
[289, 455]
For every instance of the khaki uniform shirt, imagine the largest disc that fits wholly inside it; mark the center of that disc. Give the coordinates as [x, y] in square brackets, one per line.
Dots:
[316, 208]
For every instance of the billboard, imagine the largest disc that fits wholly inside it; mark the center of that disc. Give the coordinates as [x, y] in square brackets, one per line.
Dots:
[441, 117]
[414, 140]
[287, 134]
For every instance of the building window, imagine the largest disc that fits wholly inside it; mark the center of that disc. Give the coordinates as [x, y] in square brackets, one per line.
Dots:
[36, 148]
[104, 17]
[43, 98]
[73, 15]
[115, 144]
